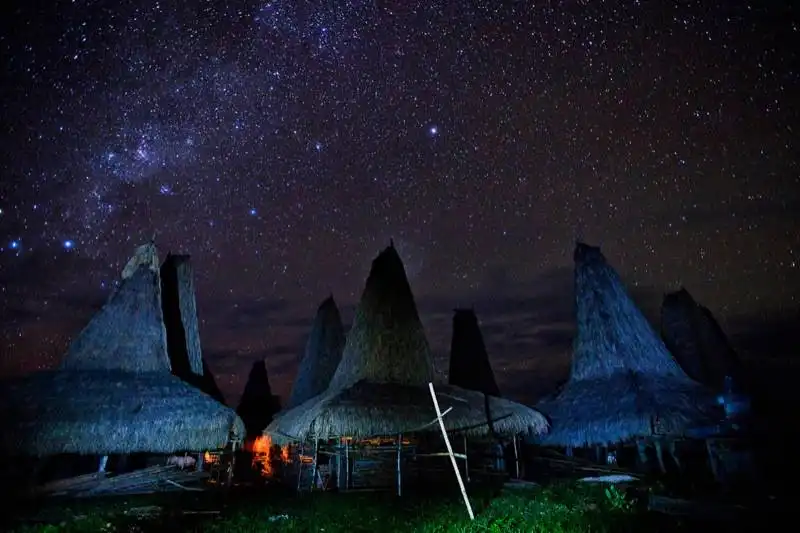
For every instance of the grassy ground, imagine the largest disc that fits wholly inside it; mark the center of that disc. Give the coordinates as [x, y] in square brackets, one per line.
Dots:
[555, 509]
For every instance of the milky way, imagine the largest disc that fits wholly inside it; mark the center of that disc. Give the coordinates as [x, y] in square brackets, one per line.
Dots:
[283, 144]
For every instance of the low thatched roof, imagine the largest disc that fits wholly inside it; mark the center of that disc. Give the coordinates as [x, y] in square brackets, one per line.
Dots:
[322, 355]
[128, 332]
[624, 383]
[368, 409]
[381, 384]
[180, 316]
[697, 341]
[258, 405]
[469, 361]
[102, 412]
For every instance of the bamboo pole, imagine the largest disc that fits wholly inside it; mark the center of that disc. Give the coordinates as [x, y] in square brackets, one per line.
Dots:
[450, 451]
[466, 462]
[516, 455]
[399, 467]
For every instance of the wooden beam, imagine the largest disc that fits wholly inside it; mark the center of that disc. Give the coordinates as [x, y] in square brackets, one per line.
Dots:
[315, 469]
[450, 450]
[399, 468]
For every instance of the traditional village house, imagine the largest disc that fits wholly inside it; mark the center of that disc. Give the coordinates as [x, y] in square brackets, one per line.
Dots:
[114, 393]
[378, 402]
[624, 385]
[470, 369]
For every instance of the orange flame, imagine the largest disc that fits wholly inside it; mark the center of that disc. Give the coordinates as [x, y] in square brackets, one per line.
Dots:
[262, 455]
[266, 454]
[208, 458]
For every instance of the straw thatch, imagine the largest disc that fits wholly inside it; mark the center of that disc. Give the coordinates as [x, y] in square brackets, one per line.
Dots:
[180, 316]
[114, 392]
[386, 343]
[381, 384]
[102, 412]
[368, 409]
[696, 340]
[624, 383]
[128, 332]
[179, 307]
[322, 354]
[469, 361]
[258, 405]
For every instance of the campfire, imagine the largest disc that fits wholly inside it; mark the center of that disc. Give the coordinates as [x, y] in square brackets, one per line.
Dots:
[266, 455]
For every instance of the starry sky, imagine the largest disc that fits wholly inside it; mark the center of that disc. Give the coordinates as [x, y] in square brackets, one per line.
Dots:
[283, 143]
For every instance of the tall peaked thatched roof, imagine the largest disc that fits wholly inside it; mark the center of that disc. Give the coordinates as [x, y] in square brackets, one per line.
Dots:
[179, 307]
[258, 405]
[128, 332]
[613, 335]
[623, 383]
[180, 316]
[469, 361]
[386, 342]
[102, 412]
[381, 384]
[323, 352]
[696, 340]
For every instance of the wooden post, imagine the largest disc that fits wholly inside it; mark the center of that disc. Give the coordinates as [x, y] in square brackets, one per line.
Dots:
[346, 464]
[641, 450]
[103, 462]
[399, 465]
[516, 455]
[712, 459]
[232, 464]
[339, 465]
[466, 461]
[300, 466]
[200, 458]
[450, 451]
[660, 455]
[315, 470]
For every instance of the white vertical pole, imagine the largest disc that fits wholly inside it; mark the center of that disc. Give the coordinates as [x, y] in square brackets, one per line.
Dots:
[450, 451]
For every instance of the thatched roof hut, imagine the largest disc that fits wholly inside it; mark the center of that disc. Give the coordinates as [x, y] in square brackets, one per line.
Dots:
[381, 385]
[697, 341]
[623, 383]
[469, 361]
[258, 405]
[103, 412]
[323, 352]
[114, 392]
[128, 332]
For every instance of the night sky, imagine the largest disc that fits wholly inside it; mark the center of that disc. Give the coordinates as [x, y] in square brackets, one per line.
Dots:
[283, 144]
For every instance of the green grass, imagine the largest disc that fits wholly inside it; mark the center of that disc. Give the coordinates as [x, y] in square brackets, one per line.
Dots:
[555, 509]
